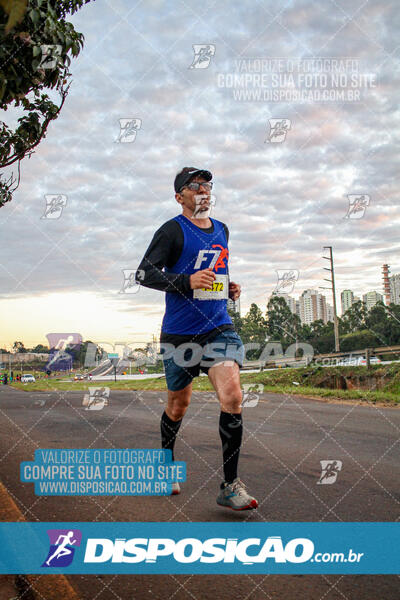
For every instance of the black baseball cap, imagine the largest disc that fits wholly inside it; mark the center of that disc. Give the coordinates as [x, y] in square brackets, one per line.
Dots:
[187, 174]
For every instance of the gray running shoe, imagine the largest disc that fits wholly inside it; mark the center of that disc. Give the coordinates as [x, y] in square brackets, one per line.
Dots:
[176, 488]
[234, 495]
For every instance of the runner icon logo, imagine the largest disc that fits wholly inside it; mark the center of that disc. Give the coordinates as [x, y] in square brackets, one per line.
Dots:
[62, 547]
[251, 393]
[357, 206]
[202, 55]
[97, 398]
[54, 206]
[130, 284]
[128, 130]
[51, 56]
[62, 348]
[286, 280]
[278, 129]
[330, 470]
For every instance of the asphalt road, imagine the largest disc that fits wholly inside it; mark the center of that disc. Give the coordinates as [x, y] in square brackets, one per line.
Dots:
[285, 439]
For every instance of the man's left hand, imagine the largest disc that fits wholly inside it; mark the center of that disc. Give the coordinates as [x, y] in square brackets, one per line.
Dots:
[234, 290]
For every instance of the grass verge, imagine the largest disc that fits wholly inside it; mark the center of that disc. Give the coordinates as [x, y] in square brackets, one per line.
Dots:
[280, 382]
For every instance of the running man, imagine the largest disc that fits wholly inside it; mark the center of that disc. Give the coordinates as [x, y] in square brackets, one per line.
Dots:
[188, 259]
[62, 549]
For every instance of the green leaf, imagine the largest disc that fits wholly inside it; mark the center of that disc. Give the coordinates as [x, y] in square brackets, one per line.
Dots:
[34, 16]
[35, 22]
[3, 84]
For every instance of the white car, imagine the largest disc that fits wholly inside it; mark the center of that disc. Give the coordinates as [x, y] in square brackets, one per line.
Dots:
[27, 378]
[374, 360]
[354, 361]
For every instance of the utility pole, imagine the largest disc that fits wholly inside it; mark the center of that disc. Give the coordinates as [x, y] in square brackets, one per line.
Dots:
[332, 281]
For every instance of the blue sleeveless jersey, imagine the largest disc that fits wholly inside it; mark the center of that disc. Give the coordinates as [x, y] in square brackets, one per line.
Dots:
[184, 313]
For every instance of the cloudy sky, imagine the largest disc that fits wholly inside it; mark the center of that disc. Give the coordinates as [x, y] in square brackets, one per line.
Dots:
[199, 79]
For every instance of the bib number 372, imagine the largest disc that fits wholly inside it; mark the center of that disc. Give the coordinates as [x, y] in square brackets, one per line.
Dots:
[219, 290]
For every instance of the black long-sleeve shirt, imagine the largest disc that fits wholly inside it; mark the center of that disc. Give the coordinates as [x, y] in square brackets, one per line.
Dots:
[164, 251]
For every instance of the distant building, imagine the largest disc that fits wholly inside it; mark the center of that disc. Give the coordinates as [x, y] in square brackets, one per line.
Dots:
[347, 299]
[371, 298]
[312, 307]
[292, 303]
[329, 313]
[386, 283]
[394, 282]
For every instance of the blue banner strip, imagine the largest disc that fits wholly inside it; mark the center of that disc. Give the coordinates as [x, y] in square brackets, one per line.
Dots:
[200, 548]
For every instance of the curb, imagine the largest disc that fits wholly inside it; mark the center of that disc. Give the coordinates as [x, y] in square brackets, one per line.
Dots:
[39, 587]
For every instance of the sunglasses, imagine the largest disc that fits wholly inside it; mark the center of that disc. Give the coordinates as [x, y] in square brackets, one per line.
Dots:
[196, 186]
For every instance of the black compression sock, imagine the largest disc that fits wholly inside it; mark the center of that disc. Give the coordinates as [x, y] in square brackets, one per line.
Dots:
[169, 431]
[230, 432]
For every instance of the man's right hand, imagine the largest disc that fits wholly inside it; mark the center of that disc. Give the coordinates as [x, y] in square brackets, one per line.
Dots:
[202, 279]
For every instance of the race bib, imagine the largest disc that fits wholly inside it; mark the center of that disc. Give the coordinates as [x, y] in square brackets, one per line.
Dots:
[219, 290]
